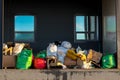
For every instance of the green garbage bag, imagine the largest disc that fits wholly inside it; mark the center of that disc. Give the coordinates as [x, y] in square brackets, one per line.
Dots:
[108, 61]
[24, 59]
[41, 54]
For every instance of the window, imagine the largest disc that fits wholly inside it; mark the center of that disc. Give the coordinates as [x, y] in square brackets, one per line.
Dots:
[86, 28]
[24, 28]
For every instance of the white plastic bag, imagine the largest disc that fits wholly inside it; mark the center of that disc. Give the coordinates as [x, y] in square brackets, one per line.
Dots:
[5, 46]
[66, 44]
[18, 48]
[61, 53]
[78, 49]
[52, 50]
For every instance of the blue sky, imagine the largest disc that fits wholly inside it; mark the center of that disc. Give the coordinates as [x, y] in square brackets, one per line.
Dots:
[24, 23]
[80, 27]
[80, 23]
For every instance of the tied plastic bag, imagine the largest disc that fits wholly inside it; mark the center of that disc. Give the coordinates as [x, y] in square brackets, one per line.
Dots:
[78, 49]
[24, 59]
[41, 54]
[18, 48]
[71, 54]
[39, 63]
[66, 44]
[52, 50]
[61, 53]
[108, 61]
[5, 46]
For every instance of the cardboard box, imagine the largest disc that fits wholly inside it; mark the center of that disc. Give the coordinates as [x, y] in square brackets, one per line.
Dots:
[51, 62]
[69, 62]
[8, 61]
[94, 56]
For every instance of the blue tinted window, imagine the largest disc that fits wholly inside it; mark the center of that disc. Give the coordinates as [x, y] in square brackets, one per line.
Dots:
[92, 23]
[24, 28]
[24, 23]
[80, 36]
[24, 36]
[80, 24]
[86, 28]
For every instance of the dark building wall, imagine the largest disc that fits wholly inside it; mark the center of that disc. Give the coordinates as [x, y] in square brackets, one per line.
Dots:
[54, 21]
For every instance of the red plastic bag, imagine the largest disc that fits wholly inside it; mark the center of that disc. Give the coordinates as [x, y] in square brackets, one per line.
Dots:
[39, 63]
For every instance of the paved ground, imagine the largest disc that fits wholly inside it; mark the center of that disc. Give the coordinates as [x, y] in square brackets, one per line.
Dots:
[68, 74]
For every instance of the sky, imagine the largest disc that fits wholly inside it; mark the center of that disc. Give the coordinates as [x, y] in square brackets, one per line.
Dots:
[80, 23]
[24, 23]
[80, 27]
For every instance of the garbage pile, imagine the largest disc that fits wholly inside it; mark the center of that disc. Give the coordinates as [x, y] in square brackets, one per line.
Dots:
[58, 55]
[69, 57]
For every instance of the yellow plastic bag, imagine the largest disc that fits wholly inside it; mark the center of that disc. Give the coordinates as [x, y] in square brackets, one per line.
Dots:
[71, 54]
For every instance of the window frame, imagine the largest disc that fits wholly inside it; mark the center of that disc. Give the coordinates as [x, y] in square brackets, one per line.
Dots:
[25, 31]
[96, 32]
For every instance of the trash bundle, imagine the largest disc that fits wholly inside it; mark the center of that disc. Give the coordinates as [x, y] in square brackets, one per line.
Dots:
[66, 44]
[39, 63]
[71, 54]
[24, 59]
[41, 54]
[94, 56]
[5, 46]
[62, 50]
[108, 61]
[52, 50]
[18, 48]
